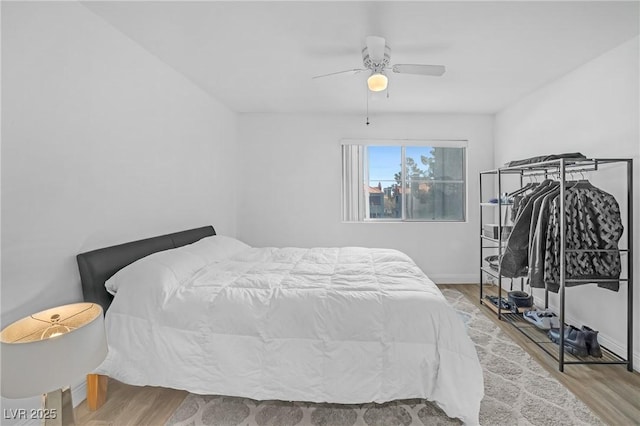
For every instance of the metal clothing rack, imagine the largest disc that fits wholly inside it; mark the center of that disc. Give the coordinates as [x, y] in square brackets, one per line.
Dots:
[559, 167]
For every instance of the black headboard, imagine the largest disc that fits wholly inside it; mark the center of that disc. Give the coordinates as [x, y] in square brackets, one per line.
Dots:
[98, 266]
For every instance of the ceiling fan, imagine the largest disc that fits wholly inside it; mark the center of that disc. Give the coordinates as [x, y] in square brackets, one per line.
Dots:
[376, 56]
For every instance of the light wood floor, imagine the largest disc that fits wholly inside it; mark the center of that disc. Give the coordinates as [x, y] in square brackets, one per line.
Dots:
[132, 405]
[611, 392]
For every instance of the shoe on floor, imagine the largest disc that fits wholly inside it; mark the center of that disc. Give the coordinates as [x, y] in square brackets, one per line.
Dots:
[544, 320]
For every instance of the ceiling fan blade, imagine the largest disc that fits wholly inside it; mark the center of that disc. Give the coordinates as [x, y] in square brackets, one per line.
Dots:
[355, 71]
[435, 70]
[375, 47]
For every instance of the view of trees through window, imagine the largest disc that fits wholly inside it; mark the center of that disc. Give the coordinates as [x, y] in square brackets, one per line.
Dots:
[431, 188]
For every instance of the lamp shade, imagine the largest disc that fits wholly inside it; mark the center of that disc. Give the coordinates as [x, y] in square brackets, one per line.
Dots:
[377, 82]
[52, 349]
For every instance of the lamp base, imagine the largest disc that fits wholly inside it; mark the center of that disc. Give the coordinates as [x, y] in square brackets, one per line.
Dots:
[58, 408]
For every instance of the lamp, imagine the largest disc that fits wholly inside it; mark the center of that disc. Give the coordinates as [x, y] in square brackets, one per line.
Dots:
[377, 82]
[50, 350]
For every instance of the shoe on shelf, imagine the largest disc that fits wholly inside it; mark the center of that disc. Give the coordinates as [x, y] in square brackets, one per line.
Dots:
[591, 338]
[574, 340]
[544, 320]
[504, 302]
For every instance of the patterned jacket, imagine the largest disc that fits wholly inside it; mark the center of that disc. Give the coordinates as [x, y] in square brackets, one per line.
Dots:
[592, 222]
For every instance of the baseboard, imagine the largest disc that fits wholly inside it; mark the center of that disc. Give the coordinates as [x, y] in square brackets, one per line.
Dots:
[79, 393]
[454, 278]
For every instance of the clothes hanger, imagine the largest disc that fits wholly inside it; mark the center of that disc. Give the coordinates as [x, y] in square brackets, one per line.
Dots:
[574, 183]
[525, 188]
[530, 185]
[584, 179]
[584, 182]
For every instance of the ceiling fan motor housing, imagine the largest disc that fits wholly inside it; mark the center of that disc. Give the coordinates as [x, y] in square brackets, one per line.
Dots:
[376, 64]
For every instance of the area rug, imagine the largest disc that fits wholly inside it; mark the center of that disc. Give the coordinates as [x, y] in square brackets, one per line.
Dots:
[518, 391]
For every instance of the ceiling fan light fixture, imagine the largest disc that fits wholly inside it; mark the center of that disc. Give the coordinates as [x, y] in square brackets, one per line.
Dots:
[377, 82]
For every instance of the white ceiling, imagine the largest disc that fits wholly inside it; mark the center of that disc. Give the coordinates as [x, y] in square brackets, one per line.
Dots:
[260, 56]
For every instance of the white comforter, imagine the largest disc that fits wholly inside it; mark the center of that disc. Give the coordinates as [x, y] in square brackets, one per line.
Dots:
[342, 325]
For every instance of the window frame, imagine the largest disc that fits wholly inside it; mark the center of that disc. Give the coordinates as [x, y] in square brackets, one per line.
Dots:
[404, 143]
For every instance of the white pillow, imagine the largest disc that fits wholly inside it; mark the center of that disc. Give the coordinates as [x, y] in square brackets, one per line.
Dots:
[175, 265]
[215, 248]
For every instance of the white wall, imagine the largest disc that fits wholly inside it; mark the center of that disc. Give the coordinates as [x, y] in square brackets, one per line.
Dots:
[289, 170]
[101, 143]
[593, 110]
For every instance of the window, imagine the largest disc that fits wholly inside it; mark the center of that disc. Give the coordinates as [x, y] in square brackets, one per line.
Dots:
[394, 182]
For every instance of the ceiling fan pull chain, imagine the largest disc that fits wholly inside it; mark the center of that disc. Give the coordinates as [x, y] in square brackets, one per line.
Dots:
[368, 107]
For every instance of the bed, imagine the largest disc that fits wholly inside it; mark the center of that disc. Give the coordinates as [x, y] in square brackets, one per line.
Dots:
[212, 315]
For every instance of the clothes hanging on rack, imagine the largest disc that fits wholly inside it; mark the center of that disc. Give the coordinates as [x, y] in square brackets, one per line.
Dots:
[537, 243]
[514, 260]
[588, 241]
[592, 222]
[517, 196]
[544, 186]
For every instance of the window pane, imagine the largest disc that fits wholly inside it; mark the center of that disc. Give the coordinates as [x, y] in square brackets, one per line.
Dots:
[383, 182]
[436, 163]
[428, 200]
[435, 188]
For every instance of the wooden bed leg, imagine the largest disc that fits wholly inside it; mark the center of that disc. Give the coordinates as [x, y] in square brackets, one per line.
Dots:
[96, 390]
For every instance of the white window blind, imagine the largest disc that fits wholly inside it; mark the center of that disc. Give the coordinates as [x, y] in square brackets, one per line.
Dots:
[353, 163]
